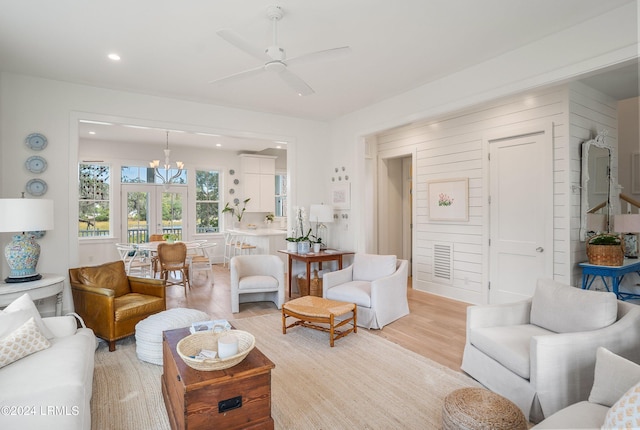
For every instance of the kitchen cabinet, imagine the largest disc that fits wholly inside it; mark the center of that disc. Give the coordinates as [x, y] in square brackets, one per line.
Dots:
[259, 181]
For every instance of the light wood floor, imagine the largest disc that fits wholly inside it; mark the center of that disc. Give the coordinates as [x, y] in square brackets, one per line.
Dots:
[435, 327]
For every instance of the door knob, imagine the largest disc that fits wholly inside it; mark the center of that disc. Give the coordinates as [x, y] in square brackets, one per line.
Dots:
[539, 249]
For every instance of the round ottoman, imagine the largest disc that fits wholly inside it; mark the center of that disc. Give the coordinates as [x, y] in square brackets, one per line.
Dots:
[478, 408]
[149, 331]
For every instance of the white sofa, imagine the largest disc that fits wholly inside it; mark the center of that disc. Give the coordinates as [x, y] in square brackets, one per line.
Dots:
[613, 377]
[377, 284]
[540, 353]
[51, 388]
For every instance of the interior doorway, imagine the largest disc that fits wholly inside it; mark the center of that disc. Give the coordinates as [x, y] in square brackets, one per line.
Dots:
[395, 207]
[521, 215]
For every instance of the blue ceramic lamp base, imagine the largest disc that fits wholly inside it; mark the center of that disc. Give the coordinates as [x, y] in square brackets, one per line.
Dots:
[22, 255]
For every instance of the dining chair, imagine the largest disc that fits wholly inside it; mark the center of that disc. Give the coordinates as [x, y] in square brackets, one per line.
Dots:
[136, 262]
[173, 258]
[155, 265]
[204, 261]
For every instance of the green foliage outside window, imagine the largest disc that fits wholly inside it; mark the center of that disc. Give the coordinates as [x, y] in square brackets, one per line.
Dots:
[207, 201]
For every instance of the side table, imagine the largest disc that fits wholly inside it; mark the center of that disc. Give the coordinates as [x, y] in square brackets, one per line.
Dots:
[50, 285]
[314, 257]
[590, 272]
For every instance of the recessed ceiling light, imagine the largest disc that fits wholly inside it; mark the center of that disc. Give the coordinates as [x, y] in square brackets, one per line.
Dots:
[114, 57]
[86, 121]
[92, 132]
[278, 147]
[218, 144]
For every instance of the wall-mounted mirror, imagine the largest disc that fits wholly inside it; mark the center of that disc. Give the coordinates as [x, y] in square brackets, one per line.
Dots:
[596, 186]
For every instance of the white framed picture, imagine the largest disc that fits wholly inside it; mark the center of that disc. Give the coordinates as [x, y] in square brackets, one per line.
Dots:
[341, 196]
[448, 199]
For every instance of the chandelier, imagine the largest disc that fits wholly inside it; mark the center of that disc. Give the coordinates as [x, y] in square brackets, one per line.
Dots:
[166, 178]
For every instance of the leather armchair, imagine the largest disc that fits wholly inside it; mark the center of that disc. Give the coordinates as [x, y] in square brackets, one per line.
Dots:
[112, 303]
[377, 284]
[256, 278]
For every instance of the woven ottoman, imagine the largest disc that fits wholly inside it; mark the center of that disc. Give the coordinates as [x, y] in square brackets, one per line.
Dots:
[311, 309]
[479, 408]
[149, 331]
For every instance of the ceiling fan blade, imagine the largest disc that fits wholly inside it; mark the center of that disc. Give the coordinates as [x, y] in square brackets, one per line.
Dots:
[325, 55]
[238, 76]
[243, 45]
[298, 85]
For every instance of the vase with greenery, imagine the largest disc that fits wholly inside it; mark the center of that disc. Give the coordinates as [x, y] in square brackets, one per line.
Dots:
[235, 210]
[170, 237]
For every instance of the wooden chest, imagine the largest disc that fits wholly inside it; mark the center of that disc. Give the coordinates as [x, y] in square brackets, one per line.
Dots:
[235, 398]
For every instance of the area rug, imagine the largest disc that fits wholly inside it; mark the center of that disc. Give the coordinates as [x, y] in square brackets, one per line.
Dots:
[364, 382]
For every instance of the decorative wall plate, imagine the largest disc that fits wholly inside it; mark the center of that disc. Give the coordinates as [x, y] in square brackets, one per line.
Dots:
[232, 172]
[36, 141]
[236, 181]
[236, 201]
[231, 191]
[36, 164]
[36, 187]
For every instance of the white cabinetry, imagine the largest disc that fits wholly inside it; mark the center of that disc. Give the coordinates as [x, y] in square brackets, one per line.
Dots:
[259, 182]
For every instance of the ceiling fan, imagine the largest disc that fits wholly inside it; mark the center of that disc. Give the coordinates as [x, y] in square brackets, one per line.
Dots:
[274, 57]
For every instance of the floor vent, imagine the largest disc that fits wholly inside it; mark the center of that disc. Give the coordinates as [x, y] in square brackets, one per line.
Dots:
[443, 262]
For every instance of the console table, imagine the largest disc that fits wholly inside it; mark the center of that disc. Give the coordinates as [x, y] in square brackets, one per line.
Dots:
[590, 272]
[314, 257]
[50, 285]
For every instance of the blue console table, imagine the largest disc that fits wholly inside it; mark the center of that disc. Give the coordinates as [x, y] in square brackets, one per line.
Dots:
[590, 272]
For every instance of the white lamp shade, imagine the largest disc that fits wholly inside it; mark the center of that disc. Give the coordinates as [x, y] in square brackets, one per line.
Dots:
[17, 215]
[321, 213]
[626, 223]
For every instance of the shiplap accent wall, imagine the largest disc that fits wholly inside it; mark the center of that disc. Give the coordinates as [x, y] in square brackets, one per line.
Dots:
[452, 147]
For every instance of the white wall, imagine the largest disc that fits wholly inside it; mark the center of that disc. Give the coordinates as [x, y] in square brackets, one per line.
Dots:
[31, 104]
[558, 58]
[629, 144]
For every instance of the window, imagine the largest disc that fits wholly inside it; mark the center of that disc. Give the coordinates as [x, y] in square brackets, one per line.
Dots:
[93, 206]
[146, 175]
[281, 195]
[207, 201]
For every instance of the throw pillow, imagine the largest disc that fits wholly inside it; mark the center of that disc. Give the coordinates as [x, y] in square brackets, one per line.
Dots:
[109, 275]
[25, 309]
[369, 267]
[613, 376]
[625, 413]
[23, 341]
[565, 309]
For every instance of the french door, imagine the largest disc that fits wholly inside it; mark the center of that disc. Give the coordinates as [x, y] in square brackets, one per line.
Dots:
[150, 209]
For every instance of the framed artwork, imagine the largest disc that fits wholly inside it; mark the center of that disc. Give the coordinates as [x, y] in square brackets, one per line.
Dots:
[341, 196]
[448, 199]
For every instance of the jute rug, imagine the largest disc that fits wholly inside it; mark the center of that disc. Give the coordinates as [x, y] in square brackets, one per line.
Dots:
[364, 382]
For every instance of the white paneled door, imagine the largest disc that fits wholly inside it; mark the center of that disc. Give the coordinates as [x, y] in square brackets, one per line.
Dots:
[521, 215]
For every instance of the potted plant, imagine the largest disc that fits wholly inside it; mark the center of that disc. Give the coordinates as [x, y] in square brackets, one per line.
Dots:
[605, 250]
[317, 243]
[235, 209]
[170, 237]
[292, 243]
[304, 243]
[268, 218]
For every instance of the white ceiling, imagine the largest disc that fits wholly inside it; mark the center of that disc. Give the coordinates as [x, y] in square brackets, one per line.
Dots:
[171, 49]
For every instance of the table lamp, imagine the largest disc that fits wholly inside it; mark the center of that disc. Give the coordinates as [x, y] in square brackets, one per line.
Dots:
[320, 214]
[628, 225]
[25, 216]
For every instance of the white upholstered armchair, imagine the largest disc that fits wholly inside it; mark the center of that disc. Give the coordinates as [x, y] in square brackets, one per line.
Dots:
[256, 278]
[540, 353]
[377, 284]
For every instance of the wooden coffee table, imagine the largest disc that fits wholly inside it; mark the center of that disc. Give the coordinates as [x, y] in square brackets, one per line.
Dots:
[235, 398]
[311, 309]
